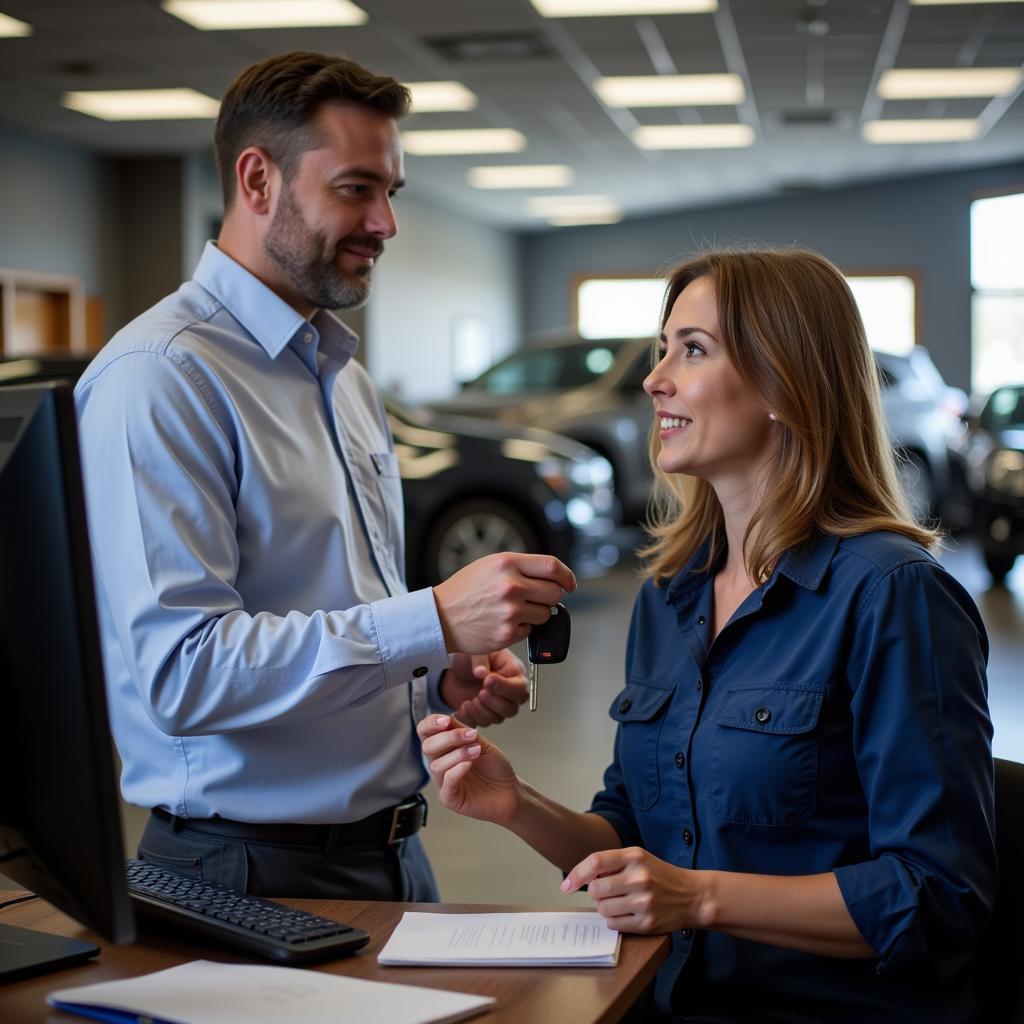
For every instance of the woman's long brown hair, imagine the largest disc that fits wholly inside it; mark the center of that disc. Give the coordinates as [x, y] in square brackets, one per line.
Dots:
[791, 328]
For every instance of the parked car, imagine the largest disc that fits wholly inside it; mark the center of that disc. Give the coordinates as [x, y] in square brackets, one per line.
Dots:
[988, 464]
[592, 391]
[471, 488]
[600, 402]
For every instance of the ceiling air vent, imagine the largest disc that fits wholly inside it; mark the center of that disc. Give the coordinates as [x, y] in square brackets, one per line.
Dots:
[490, 46]
[808, 117]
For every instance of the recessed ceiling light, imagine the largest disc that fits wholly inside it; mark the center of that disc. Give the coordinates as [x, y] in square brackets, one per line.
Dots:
[521, 176]
[946, 83]
[694, 136]
[215, 15]
[607, 8]
[933, 129]
[142, 104]
[585, 218]
[11, 28]
[465, 140]
[670, 90]
[429, 97]
[571, 206]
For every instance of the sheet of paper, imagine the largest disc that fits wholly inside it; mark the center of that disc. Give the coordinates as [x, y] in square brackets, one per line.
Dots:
[209, 993]
[503, 940]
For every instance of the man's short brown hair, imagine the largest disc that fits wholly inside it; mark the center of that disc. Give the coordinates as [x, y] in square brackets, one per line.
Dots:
[272, 105]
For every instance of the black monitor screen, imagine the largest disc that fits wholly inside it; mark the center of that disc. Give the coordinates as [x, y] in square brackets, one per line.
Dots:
[60, 832]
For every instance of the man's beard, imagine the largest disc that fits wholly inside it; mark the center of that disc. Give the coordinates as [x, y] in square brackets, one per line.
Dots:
[311, 263]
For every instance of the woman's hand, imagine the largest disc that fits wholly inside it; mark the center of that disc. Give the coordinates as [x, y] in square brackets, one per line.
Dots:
[472, 775]
[636, 892]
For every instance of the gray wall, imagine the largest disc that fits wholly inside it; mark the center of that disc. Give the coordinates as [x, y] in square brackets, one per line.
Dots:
[920, 224]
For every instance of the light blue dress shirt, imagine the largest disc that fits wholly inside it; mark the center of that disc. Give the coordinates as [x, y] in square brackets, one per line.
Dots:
[264, 660]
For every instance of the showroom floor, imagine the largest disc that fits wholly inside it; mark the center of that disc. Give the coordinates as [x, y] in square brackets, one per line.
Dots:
[564, 746]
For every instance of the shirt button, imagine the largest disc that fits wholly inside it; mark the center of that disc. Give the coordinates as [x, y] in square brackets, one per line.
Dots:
[307, 337]
[687, 933]
[701, 620]
[625, 706]
[687, 837]
[762, 715]
[680, 760]
[420, 670]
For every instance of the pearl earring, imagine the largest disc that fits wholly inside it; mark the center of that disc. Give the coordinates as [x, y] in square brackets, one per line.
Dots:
[772, 416]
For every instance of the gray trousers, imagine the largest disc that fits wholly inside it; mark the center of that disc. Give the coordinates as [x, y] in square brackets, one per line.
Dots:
[358, 871]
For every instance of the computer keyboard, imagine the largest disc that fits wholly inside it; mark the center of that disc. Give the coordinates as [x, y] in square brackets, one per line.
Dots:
[249, 923]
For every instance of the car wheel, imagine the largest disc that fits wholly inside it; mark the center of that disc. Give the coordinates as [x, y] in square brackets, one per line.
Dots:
[470, 530]
[916, 481]
[999, 565]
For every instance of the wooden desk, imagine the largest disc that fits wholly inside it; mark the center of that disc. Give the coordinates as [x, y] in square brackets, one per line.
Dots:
[577, 995]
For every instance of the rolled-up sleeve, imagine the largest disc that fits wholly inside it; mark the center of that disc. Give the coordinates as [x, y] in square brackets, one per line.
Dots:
[922, 742]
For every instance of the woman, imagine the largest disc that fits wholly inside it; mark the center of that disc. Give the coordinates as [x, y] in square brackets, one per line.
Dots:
[801, 792]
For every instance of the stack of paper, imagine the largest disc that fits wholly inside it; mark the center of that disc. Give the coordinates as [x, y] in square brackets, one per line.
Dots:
[209, 993]
[502, 940]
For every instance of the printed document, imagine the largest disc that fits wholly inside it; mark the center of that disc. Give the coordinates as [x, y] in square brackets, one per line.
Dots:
[528, 939]
[209, 993]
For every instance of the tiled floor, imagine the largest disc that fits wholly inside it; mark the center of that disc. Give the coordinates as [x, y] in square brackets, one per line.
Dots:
[564, 747]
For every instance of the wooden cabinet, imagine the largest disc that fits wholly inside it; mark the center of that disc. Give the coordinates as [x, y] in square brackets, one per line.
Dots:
[41, 314]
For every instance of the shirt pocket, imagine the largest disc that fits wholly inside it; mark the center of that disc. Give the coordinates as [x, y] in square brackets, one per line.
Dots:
[389, 489]
[764, 754]
[639, 710]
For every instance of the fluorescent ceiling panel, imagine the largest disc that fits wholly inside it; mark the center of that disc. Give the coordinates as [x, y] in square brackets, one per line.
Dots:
[217, 15]
[934, 129]
[143, 104]
[570, 206]
[11, 28]
[946, 83]
[608, 8]
[521, 176]
[465, 140]
[694, 136]
[431, 97]
[585, 218]
[670, 90]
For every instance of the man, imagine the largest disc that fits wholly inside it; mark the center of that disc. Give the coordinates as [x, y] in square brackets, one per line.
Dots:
[266, 665]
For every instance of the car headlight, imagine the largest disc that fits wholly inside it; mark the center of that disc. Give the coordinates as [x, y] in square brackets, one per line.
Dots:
[1005, 472]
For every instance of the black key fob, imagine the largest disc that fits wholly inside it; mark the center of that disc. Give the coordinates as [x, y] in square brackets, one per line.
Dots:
[548, 644]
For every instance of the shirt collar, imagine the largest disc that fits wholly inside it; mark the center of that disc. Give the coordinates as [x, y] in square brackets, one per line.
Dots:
[263, 313]
[805, 564]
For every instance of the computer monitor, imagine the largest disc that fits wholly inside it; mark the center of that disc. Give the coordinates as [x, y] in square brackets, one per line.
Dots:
[60, 830]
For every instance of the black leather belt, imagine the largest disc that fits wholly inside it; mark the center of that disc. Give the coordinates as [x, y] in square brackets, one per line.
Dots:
[386, 827]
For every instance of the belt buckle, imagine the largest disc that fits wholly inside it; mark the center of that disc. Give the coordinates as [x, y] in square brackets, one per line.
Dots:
[407, 819]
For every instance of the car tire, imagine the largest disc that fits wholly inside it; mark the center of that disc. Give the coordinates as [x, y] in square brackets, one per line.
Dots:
[918, 488]
[470, 530]
[999, 565]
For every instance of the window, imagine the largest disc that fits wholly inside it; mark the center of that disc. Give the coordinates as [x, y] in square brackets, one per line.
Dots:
[888, 307]
[997, 305]
[619, 307]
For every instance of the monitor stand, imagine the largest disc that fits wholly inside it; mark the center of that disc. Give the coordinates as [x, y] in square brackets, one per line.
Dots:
[24, 952]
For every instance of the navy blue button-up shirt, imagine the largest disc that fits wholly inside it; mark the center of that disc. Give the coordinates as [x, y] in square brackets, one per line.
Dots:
[839, 722]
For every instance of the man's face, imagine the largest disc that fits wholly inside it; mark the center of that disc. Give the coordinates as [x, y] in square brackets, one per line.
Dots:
[333, 216]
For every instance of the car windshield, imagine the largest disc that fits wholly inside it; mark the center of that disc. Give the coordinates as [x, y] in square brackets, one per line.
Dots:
[548, 369]
[1005, 409]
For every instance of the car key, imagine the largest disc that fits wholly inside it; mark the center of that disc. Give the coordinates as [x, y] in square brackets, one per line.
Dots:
[547, 644]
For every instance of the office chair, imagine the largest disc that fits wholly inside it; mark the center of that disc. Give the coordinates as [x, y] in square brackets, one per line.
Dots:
[1000, 982]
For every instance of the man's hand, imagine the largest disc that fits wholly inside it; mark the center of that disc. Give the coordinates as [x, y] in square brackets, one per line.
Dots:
[484, 688]
[636, 892]
[494, 601]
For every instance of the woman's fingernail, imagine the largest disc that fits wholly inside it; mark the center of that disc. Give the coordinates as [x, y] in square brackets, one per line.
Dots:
[469, 734]
[473, 751]
[442, 721]
[566, 885]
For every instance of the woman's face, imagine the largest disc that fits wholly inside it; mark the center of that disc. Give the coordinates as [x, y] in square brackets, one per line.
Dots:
[711, 424]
